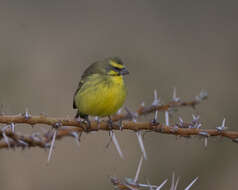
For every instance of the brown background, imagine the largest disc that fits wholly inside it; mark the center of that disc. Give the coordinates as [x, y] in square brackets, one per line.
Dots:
[46, 45]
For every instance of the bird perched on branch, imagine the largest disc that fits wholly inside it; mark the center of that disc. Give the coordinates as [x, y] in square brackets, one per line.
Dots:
[101, 90]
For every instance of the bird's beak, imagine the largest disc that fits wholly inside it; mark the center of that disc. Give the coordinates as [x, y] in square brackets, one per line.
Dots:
[124, 71]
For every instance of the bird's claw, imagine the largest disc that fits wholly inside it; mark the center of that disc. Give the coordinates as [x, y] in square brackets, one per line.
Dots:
[86, 124]
[110, 124]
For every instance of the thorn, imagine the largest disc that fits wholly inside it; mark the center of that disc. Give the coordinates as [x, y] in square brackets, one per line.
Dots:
[27, 114]
[202, 133]
[131, 115]
[130, 187]
[162, 184]
[175, 128]
[223, 123]
[138, 170]
[12, 125]
[130, 181]
[52, 145]
[195, 117]
[115, 181]
[205, 142]
[195, 122]
[172, 181]
[4, 128]
[166, 118]
[119, 111]
[222, 127]
[149, 185]
[199, 126]
[6, 138]
[176, 184]
[36, 136]
[78, 119]
[202, 96]
[76, 137]
[235, 140]
[156, 99]
[190, 185]
[155, 120]
[142, 104]
[180, 122]
[175, 98]
[114, 140]
[25, 144]
[140, 140]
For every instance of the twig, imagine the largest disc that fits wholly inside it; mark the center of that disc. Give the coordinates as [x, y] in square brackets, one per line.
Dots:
[175, 103]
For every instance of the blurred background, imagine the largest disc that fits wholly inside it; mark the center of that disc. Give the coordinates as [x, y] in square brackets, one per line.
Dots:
[191, 45]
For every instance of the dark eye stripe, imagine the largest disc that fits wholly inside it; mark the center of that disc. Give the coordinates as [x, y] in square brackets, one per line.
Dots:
[116, 69]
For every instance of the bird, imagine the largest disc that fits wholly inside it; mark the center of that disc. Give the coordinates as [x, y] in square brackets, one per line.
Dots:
[101, 91]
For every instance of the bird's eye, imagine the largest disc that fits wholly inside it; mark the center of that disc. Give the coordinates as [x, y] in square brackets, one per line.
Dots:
[116, 69]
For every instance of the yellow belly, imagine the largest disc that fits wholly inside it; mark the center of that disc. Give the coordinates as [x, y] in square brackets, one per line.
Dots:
[101, 96]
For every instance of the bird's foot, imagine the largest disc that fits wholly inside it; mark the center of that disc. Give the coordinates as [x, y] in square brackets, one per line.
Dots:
[86, 124]
[110, 124]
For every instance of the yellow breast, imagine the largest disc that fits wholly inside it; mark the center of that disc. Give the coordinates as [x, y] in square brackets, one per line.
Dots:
[101, 96]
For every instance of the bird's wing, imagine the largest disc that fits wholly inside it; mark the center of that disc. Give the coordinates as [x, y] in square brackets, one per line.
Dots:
[89, 71]
[79, 86]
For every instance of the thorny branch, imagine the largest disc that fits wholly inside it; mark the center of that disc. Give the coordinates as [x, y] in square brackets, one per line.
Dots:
[73, 128]
[43, 140]
[134, 184]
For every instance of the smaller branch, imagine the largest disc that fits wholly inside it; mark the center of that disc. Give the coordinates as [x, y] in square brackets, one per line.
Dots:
[36, 139]
[43, 140]
[143, 110]
[16, 140]
[134, 184]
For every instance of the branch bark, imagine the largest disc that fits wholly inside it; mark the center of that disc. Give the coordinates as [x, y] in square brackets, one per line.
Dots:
[73, 128]
[43, 140]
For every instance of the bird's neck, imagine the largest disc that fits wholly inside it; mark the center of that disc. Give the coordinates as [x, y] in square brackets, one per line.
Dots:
[117, 80]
